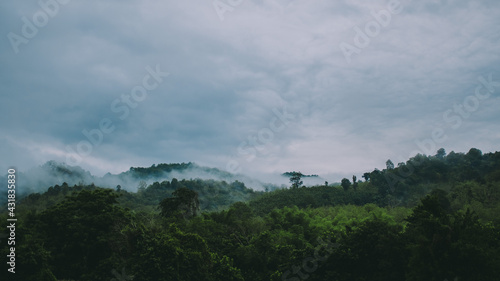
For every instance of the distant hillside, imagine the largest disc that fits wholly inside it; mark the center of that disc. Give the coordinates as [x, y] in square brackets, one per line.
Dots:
[162, 169]
[469, 180]
[213, 195]
[39, 179]
[53, 173]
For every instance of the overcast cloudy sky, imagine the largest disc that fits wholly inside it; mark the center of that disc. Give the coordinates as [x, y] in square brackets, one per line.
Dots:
[324, 87]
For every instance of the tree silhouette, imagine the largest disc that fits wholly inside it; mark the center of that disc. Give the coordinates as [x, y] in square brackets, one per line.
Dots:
[345, 183]
[295, 179]
[389, 165]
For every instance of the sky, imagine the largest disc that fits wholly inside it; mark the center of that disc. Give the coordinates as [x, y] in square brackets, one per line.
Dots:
[256, 87]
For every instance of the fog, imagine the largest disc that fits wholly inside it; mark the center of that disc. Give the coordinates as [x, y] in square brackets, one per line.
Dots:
[39, 179]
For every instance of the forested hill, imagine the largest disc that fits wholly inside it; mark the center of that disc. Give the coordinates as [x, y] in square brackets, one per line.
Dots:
[156, 171]
[430, 218]
[469, 179]
[211, 194]
[52, 173]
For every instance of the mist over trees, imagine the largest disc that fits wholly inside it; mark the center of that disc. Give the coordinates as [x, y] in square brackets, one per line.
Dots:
[429, 218]
[52, 173]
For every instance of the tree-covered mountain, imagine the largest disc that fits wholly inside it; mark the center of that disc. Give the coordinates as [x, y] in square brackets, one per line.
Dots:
[430, 218]
[212, 194]
[52, 174]
[469, 179]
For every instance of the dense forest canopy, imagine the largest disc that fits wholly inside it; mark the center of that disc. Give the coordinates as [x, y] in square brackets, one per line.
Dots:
[429, 218]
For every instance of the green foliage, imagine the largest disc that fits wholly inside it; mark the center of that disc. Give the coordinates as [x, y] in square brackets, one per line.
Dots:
[184, 204]
[316, 196]
[444, 244]
[371, 250]
[212, 195]
[81, 230]
[345, 183]
[431, 218]
[157, 171]
[171, 255]
[389, 165]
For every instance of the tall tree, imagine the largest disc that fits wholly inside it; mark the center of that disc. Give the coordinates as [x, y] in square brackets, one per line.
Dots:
[441, 153]
[295, 179]
[345, 183]
[389, 165]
